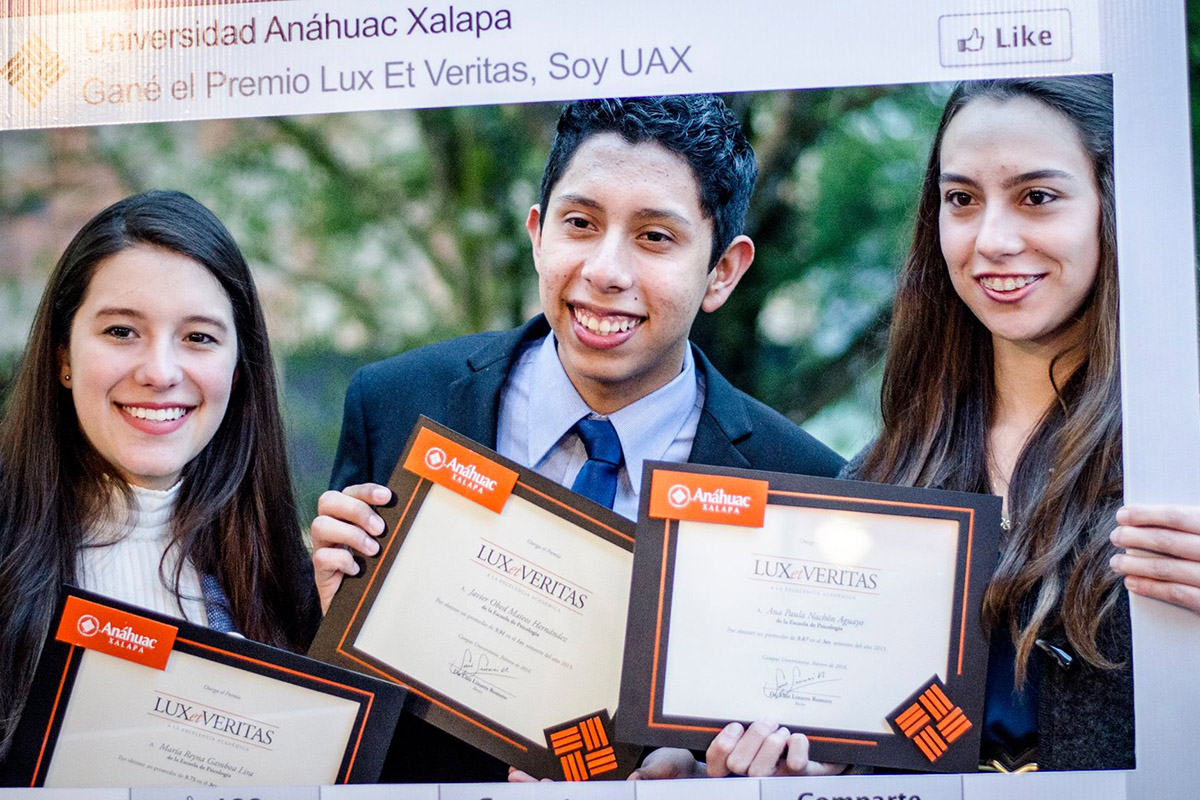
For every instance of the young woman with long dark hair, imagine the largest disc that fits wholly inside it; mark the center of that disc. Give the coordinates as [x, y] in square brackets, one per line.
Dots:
[1003, 376]
[142, 452]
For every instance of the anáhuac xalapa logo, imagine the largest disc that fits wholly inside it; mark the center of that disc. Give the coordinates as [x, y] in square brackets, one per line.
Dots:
[435, 457]
[34, 70]
[125, 638]
[87, 625]
[463, 473]
[715, 501]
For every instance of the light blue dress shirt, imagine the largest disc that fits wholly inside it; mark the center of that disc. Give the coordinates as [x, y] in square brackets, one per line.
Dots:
[539, 406]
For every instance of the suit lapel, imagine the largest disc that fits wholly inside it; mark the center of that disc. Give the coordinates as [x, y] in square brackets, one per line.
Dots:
[474, 399]
[724, 420]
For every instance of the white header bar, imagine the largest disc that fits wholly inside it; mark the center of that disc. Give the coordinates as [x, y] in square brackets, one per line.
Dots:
[308, 56]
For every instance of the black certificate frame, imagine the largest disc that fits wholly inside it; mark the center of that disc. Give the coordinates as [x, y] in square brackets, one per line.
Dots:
[916, 741]
[379, 703]
[581, 748]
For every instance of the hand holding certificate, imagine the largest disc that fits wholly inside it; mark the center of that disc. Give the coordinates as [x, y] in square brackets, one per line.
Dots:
[499, 598]
[844, 610]
[127, 697]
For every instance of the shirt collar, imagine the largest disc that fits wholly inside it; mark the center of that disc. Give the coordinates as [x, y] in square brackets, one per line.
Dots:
[554, 404]
[646, 428]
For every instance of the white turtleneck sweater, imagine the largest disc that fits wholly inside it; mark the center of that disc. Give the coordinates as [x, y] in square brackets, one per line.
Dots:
[128, 569]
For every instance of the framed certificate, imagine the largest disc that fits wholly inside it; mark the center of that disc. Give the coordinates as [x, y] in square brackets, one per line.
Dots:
[847, 611]
[127, 697]
[498, 598]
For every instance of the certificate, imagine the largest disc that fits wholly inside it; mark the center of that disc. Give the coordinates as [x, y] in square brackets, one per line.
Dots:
[844, 610]
[498, 598]
[127, 697]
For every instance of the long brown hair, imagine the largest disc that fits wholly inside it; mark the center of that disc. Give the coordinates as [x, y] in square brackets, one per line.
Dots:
[938, 398]
[235, 517]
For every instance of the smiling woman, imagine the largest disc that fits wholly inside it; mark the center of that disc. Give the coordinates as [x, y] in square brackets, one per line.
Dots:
[1002, 377]
[142, 454]
[150, 372]
[1020, 221]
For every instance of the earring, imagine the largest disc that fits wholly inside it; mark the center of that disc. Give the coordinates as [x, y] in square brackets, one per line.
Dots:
[67, 377]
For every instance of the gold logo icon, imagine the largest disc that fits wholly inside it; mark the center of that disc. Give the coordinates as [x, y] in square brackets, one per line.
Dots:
[34, 70]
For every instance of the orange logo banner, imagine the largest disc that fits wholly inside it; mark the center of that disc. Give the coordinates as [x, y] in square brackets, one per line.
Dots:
[117, 633]
[708, 498]
[460, 469]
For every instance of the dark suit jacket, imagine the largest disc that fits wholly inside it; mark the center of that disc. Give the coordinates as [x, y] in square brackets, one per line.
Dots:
[458, 383]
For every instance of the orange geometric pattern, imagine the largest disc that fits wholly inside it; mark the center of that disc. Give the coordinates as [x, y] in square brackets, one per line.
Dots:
[932, 721]
[583, 749]
[34, 70]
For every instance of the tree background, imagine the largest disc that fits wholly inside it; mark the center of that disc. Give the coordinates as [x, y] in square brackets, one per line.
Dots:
[372, 233]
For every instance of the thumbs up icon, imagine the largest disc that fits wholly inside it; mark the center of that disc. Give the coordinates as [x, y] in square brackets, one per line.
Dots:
[971, 44]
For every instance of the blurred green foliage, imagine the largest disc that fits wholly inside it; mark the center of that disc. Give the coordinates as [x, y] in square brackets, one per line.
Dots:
[374, 233]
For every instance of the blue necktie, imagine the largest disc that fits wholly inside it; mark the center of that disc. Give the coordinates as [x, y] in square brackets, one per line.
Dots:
[597, 480]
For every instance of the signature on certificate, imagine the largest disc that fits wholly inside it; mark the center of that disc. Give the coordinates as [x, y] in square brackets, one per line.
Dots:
[796, 685]
[472, 666]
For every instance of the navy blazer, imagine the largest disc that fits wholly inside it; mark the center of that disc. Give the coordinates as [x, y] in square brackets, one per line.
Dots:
[458, 383]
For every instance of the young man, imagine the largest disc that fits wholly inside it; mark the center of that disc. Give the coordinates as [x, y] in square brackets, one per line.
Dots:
[637, 228]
